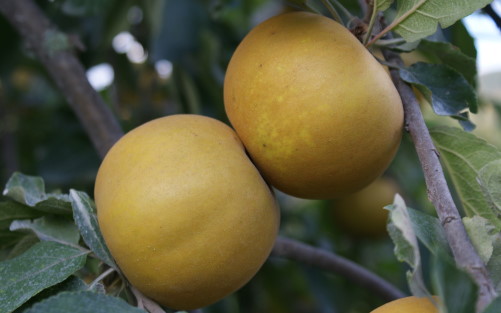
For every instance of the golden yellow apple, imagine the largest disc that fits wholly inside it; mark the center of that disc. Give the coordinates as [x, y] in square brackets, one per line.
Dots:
[184, 212]
[408, 305]
[317, 113]
[361, 213]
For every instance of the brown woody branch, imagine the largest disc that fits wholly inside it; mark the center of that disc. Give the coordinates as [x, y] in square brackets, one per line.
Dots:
[438, 192]
[489, 10]
[298, 251]
[104, 131]
[65, 69]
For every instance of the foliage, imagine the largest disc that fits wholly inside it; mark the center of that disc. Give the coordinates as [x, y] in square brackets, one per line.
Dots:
[53, 257]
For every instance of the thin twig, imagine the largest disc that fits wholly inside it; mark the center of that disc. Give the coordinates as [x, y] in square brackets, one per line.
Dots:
[100, 277]
[396, 22]
[65, 69]
[332, 11]
[438, 192]
[489, 10]
[295, 250]
[372, 21]
[343, 9]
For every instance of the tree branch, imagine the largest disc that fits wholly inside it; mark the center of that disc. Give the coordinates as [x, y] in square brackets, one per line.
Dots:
[489, 10]
[295, 250]
[43, 39]
[438, 192]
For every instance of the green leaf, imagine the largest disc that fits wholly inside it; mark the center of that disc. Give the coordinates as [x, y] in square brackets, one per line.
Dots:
[489, 178]
[43, 265]
[494, 306]
[453, 286]
[10, 210]
[30, 190]
[8, 238]
[448, 92]
[72, 283]
[430, 232]
[84, 213]
[405, 47]
[464, 155]
[25, 189]
[482, 234]
[50, 228]
[382, 5]
[22, 245]
[494, 265]
[402, 233]
[450, 55]
[55, 204]
[416, 19]
[83, 302]
[462, 39]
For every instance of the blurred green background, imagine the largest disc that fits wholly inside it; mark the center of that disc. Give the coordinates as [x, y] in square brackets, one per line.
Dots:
[150, 58]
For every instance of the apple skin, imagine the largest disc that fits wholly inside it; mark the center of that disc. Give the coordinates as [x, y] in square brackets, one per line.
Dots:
[317, 113]
[409, 305]
[184, 212]
[362, 214]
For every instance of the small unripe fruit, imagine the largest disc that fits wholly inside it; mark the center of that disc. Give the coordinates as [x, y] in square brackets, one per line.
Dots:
[362, 214]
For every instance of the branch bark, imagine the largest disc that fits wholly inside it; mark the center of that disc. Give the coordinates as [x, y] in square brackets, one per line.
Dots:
[438, 192]
[65, 69]
[489, 10]
[295, 250]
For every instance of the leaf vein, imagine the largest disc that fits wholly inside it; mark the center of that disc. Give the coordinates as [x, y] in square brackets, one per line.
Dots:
[28, 275]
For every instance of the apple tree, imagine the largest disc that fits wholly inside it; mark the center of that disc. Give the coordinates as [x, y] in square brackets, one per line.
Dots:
[76, 75]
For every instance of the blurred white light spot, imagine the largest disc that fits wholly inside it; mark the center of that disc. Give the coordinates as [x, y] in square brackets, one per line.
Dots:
[136, 53]
[100, 76]
[164, 68]
[123, 42]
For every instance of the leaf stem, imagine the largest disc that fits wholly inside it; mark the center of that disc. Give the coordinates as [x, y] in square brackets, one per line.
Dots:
[389, 42]
[371, 25]
[345, 11]
[146, 303]
[332, 11]
[396, 22]
[100, 277]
